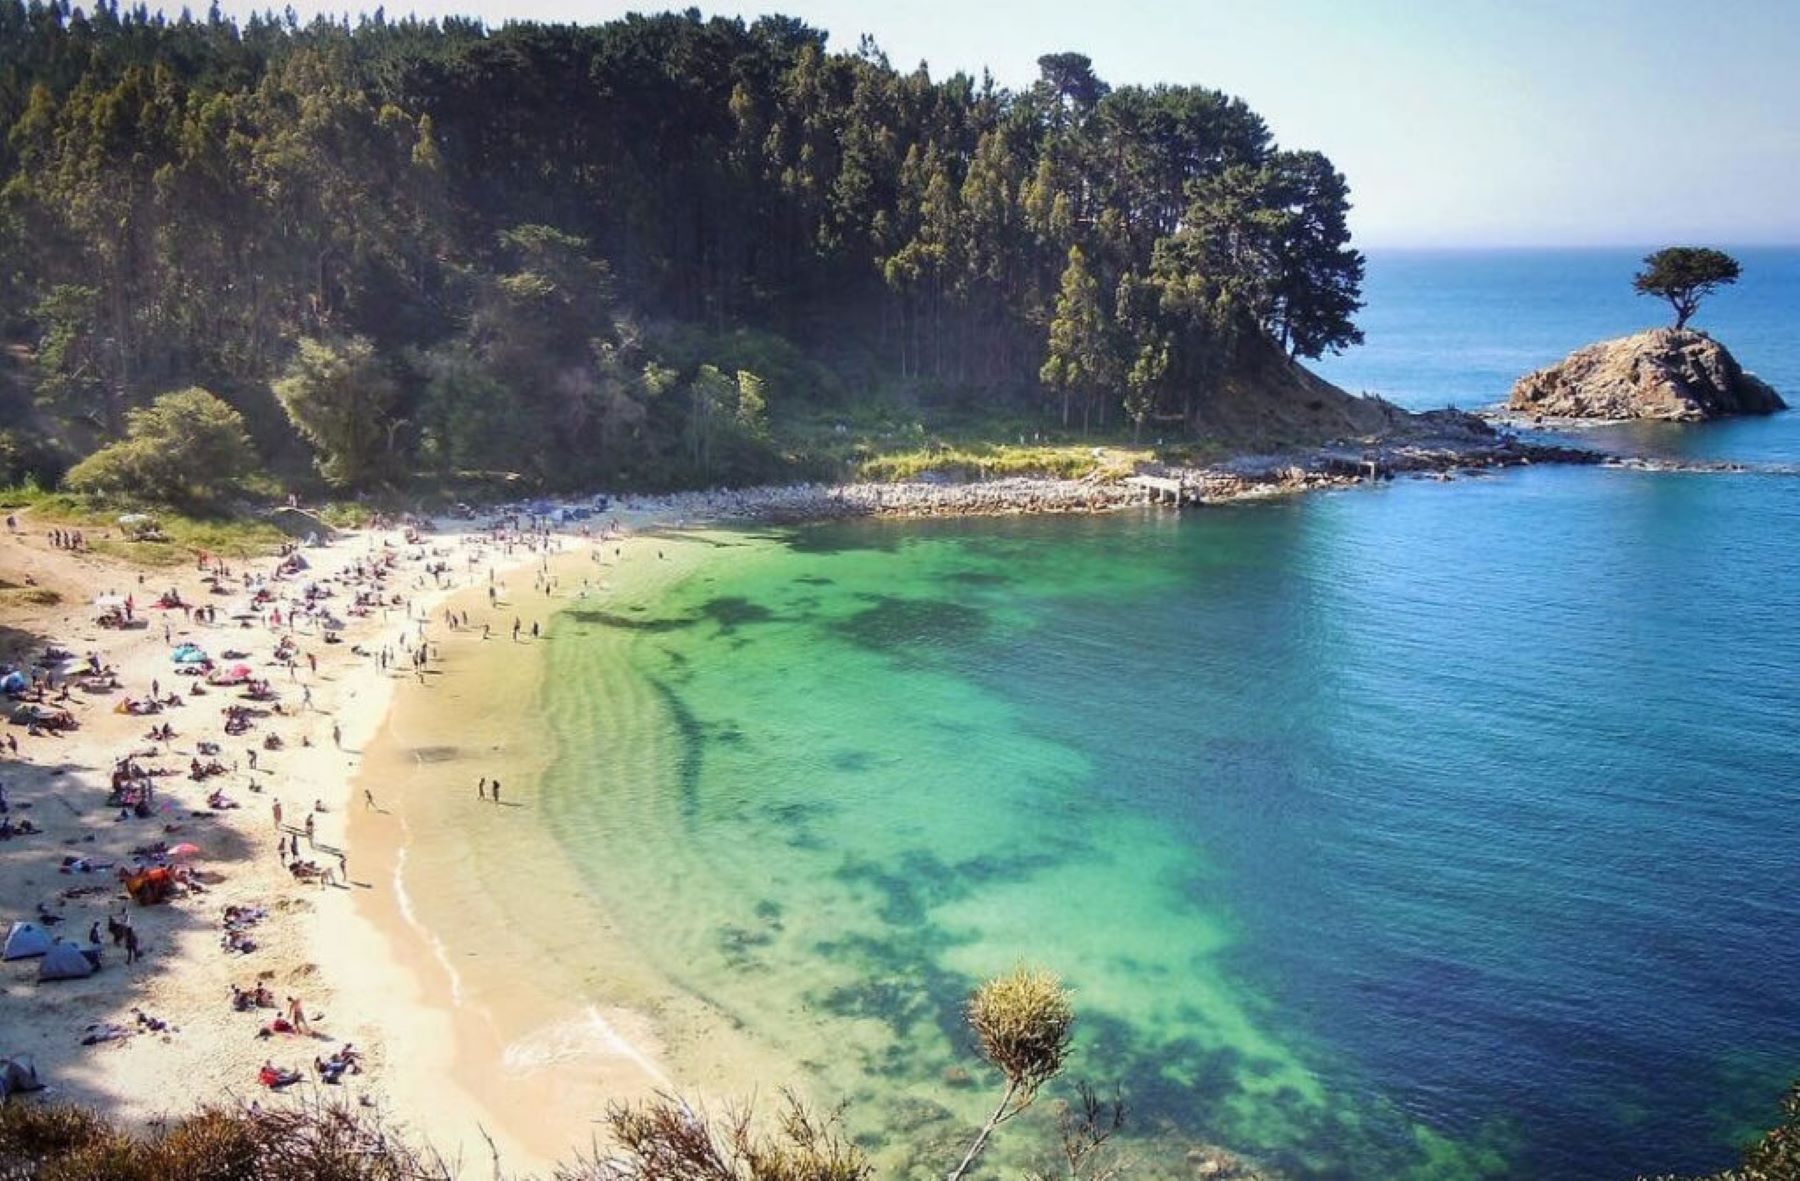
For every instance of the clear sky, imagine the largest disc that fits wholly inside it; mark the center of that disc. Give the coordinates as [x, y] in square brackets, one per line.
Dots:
[1458, 122]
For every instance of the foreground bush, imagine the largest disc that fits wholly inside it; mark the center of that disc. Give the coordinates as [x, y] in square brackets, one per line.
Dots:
[316, 1142]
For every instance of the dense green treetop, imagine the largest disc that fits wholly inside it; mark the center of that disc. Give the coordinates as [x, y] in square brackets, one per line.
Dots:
[536, 239]
[1684, 275]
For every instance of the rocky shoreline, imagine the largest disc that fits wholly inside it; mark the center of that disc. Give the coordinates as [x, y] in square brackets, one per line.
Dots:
[1443, 444]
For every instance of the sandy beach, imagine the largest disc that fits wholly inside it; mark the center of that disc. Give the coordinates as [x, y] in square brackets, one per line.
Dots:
[525, 1003]
[327, 946]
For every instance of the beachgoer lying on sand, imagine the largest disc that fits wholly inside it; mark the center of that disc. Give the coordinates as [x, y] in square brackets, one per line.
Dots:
[153, 1024]
[104, 1031]
[275, 1077]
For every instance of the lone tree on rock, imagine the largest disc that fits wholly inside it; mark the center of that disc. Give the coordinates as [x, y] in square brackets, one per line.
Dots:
[1683, 275]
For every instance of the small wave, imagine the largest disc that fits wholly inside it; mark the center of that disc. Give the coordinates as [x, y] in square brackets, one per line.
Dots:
[404, 901]
[588, 1034]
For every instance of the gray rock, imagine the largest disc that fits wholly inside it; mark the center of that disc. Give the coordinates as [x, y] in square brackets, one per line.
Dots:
[1667, 374]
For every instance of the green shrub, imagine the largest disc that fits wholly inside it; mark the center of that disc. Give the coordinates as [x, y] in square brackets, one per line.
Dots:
[187, 447]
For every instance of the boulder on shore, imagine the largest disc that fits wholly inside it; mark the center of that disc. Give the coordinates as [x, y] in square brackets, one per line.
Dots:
[1676, 375]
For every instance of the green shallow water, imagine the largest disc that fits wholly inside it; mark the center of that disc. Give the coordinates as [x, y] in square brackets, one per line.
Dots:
[1360, 862]
[812, 818]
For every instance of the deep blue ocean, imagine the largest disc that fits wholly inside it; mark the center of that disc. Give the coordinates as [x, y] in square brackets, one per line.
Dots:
[1430, 830]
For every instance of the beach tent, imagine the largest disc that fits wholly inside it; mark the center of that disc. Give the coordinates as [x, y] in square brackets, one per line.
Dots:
[26, 940]
[18, 1074]
[14, 682]
[64, 961]
[188, 654]
[237, 674]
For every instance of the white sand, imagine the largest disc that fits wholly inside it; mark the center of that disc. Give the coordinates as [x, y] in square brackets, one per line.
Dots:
[325, 945]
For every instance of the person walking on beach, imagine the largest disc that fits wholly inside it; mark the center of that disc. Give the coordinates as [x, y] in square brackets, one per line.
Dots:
[132, 952]
[368, 798]
[496, 791]
[337, 736]
[481, 788]
[276, 808]
[309, 832]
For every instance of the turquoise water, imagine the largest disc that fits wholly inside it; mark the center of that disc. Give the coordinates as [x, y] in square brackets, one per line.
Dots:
[1432, 831]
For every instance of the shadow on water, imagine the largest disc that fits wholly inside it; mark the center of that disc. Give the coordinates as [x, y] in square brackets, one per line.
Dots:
[895, 624]
[692, 736]
[733, 611]
[626, 623]
[978, 578]
[728, 612]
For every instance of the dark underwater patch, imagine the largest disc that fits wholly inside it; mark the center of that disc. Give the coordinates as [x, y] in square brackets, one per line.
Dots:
[978, 577]
[840, 539]
[895, 623]
[730, 611]
[692, 749]
[625, 623]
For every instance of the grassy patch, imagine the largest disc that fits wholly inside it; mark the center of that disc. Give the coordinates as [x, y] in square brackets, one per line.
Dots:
[28, 596]
[979, 461]
[228, 535]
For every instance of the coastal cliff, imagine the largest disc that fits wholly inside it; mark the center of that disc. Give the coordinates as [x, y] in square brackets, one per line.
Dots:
[1674, 375]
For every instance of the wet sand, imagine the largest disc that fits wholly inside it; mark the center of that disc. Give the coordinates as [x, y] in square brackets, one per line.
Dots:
[519, 993]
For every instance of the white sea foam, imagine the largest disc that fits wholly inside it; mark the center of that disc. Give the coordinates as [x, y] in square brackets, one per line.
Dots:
[587, 1034]
[404, 901]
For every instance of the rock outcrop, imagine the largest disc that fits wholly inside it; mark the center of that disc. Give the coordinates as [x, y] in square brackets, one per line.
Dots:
[1676, 375]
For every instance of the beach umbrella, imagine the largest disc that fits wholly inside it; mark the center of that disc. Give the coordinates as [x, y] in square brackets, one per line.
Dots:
[14, 682]
[185, 849]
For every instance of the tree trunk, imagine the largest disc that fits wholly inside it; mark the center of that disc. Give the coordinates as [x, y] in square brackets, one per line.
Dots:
[981, 1138]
